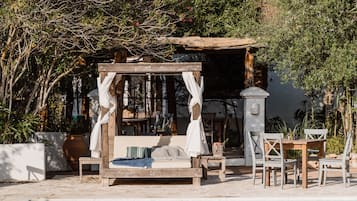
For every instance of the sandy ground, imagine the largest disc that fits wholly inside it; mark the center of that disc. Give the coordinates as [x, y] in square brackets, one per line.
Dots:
[238, 186]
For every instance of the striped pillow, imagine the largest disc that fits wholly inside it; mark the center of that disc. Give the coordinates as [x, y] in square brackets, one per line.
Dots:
[138, 152]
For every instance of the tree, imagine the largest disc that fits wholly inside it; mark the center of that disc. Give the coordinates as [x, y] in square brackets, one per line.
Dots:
[314, 45]
[42, 41]
[225, 18]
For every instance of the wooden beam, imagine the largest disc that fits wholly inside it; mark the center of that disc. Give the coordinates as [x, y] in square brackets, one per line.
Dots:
[105, 153]
[196, 109]
[249, 69]
[150, 67]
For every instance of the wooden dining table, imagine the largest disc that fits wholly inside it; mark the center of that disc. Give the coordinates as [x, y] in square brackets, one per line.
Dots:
[303, 145]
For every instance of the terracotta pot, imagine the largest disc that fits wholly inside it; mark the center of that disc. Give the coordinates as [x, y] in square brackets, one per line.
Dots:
[74, 147]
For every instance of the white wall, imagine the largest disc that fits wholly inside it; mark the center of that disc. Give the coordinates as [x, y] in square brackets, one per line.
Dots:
[22, 162]
[283, 100]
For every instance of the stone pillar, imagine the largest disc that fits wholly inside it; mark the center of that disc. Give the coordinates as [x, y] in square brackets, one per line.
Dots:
[254, 116]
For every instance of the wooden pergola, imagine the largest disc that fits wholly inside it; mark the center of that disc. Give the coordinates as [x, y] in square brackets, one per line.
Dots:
[110, 129]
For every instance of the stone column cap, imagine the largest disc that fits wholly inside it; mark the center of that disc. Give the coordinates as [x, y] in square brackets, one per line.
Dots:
[254, 92]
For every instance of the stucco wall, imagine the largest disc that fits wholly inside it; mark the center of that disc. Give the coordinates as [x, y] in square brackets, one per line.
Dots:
[22, 162]
[284, 99]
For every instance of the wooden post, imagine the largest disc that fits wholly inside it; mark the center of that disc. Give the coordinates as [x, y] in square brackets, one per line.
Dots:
[196, 112]
[105, 153]
[196, 109]
[249, 69]
[196, 181]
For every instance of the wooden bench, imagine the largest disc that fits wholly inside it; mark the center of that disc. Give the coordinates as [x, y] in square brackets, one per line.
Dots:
[120, 147]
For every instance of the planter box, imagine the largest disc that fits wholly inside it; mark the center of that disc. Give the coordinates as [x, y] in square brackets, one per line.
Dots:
[22, 162]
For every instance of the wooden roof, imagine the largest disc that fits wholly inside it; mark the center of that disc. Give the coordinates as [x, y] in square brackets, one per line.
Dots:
[210, 43]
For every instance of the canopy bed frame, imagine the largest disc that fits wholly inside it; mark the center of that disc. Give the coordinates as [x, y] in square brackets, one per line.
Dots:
[112, 75]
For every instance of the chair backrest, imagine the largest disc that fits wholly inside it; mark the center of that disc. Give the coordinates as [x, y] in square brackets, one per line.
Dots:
[316, 134]
[256, 147]
[273, 141]
[348, 146]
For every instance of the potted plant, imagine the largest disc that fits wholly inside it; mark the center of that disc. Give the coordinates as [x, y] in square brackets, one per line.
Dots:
[21, 159]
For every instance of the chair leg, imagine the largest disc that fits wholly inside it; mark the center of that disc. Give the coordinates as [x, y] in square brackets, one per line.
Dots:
[325, 174]
[253, 174]
[282, 176]
[344, 175]
[264, 179]
[320, 173]
[274, 176]
[295, 175]
[286, 175]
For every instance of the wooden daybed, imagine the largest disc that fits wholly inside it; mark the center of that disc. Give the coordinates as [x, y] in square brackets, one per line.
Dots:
[110, 140]
[160, 168]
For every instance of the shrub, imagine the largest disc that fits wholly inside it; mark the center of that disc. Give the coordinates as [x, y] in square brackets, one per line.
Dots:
[16, 128]
[335, 145]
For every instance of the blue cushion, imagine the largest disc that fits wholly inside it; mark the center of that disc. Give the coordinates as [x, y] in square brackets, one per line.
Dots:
[142, 162]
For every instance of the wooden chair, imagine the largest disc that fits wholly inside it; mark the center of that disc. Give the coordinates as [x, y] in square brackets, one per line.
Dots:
[315, 134]
[256, 149]
[274, 156]
[337, 164]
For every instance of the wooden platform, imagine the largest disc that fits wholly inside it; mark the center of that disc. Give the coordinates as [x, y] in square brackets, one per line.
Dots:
[125, 173]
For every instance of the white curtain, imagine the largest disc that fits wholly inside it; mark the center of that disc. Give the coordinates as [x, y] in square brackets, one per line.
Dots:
[196, 143]
[107, 101]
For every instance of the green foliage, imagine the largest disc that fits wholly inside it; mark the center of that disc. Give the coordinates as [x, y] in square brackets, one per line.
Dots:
[16, 129]
[335, 145]
[315, 45]
[274, 124]
[219, 18]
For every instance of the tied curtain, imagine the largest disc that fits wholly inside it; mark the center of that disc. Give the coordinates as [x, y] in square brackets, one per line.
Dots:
[106, 100]
[196, 143]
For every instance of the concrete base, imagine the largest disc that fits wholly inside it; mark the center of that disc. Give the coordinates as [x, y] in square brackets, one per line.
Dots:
[22, 162]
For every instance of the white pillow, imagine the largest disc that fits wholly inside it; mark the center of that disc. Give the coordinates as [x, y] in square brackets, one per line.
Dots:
[169, 153]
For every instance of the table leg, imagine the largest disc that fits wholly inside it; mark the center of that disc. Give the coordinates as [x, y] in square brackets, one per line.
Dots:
[304, 166]
[321, 155]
